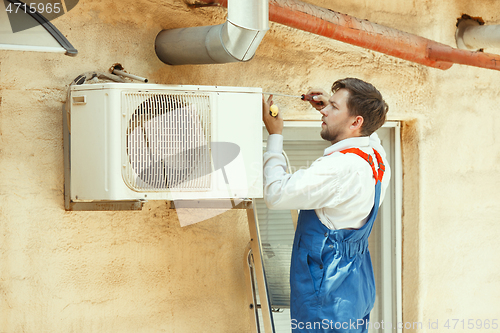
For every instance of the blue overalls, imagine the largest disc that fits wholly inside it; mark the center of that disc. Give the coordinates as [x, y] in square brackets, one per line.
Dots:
[331, 275]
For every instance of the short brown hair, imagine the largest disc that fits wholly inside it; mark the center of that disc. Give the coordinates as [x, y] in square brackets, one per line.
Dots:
[364, 100]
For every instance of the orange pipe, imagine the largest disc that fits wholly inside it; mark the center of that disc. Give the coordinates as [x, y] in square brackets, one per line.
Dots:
[463, 57]
[353, 31]
[372, 36]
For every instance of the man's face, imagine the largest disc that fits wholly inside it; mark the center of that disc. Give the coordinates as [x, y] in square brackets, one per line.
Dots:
[336, 118]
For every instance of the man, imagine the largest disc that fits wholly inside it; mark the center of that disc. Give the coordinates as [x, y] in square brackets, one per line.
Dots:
[331, 276]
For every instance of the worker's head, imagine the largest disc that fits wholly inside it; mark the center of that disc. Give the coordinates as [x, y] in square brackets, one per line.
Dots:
[356, 108]
[364, 100]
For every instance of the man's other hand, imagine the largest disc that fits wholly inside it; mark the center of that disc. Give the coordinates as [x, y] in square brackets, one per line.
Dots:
[274, 125]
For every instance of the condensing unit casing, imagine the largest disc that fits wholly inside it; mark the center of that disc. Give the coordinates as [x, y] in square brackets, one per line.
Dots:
[164, 142]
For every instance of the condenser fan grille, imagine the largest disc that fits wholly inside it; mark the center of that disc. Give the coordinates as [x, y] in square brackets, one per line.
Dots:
[167, 140]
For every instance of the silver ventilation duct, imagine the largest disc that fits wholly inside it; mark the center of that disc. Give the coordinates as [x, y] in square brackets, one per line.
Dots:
[235, 40]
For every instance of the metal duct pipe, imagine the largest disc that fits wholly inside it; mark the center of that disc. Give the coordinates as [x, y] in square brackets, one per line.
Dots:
[235, 40]
[345, 28]
[472, 35]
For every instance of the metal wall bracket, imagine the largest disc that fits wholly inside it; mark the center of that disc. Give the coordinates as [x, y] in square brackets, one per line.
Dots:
[211, 204]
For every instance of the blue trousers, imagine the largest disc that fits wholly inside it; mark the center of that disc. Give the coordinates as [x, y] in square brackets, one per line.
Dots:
[331, 276]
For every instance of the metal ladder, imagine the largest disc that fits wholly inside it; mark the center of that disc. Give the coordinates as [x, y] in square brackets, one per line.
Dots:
[267, 265]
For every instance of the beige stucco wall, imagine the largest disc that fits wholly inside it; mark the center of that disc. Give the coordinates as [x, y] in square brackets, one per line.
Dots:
[140, 272]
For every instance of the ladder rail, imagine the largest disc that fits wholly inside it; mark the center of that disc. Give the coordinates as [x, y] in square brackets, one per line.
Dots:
[256, 248]
[251, 288]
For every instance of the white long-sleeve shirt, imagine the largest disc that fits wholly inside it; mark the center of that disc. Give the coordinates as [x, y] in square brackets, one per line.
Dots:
[339, 187]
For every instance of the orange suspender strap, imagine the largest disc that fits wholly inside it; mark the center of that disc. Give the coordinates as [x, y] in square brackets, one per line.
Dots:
[381, 165]
[369, 159]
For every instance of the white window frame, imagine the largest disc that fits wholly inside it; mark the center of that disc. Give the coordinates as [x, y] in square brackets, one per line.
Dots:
[391, 241]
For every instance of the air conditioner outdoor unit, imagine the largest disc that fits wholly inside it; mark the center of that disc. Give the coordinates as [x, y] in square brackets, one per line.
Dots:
[164, 142]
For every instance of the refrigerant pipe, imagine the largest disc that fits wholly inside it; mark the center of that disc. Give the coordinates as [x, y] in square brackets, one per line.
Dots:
[345, 28]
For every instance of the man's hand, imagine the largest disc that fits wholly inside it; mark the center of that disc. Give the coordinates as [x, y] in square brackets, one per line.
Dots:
[320, 98]
[274, 125]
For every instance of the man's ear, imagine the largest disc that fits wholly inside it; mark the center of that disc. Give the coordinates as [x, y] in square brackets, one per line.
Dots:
[357, 123]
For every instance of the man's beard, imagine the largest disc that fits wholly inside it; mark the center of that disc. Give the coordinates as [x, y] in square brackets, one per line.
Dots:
[329, 135]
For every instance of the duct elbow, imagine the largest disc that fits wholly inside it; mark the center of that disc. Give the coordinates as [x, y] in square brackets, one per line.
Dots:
[235, 40]
[239, 42]
[216, 44]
